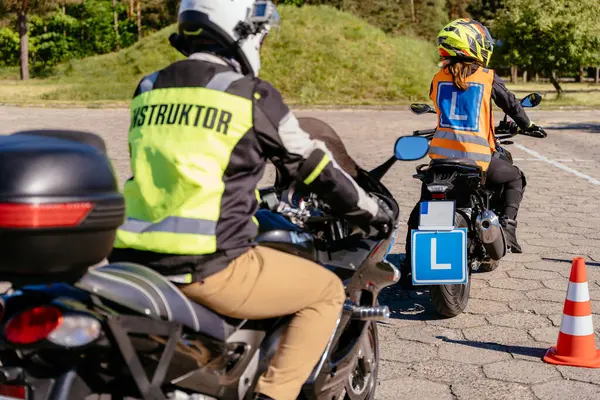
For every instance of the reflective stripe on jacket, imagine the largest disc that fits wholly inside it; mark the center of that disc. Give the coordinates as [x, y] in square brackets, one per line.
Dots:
[199, 139]
[465, 122]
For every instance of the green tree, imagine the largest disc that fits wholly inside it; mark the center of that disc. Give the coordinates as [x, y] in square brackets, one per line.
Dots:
[458, 8]
[22, 9]
[485, 11]
[550, 36]
[396, 16]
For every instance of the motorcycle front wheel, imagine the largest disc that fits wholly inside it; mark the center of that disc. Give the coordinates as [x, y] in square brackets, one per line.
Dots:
[362, 381]
[451, 300]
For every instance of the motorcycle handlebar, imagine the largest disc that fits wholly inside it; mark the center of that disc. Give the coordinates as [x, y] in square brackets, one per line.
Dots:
[500, 133]
[424, 132]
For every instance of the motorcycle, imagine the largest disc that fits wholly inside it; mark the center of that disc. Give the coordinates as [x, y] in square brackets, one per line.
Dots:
[69, 331]
[460, 220]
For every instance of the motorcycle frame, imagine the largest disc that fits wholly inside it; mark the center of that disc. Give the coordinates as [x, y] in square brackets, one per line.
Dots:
[326, 380]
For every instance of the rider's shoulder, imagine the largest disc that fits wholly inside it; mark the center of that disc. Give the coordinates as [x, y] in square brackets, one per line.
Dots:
[489, 71]
[267, 96]
[265, 89]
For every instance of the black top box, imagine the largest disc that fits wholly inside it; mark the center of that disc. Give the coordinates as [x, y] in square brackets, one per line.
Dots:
[60, 206]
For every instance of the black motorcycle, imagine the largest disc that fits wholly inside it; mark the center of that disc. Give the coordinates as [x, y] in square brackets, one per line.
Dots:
[68, 331]
[468, 213]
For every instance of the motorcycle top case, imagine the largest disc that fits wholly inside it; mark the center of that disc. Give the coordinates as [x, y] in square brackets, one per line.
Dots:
[60, 206]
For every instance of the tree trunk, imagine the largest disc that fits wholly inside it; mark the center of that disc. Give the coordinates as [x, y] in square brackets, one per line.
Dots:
[597, 74]
[131, 12]
[139, 19]
[537, 77]
[524, 76]
[64, 11]
[412, 11]
[514, 77]
[116, 22]
[556, 84]
[22, 19]
[582, 75]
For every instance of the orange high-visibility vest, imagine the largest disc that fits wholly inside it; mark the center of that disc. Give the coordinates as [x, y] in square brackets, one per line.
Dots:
[465, 123]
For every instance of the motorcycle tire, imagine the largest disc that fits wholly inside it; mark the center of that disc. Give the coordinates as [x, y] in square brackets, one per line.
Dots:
[451, 300]
[362, 382]
[489, 265]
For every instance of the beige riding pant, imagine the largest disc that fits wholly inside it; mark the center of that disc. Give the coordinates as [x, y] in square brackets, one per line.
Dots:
[265, 283]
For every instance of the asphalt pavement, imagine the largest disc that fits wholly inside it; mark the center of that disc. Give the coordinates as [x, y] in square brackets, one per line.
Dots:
[493, 350]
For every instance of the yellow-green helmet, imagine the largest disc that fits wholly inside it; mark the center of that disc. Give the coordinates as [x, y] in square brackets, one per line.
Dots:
[466, 38]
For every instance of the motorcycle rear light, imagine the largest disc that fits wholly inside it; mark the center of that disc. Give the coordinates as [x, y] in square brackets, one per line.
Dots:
[15, 215]
[75, 331]
[438, 195]
[437, 188]
[32, 325]
[48, 323]
[10, 392]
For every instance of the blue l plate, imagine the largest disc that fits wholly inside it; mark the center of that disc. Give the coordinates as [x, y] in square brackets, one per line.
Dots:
[439, 257]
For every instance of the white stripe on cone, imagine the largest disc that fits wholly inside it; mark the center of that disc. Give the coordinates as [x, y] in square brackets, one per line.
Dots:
[577, 326]
[578, 292]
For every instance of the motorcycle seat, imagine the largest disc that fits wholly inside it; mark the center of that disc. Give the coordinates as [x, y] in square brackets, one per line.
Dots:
[454, 161]
[145, 291]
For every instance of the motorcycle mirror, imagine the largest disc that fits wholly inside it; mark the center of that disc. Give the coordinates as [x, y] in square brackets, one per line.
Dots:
[421, 109]
[410, 148]
[531, 100]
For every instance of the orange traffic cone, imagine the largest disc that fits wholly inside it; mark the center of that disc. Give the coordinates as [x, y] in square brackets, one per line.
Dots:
[576, 345]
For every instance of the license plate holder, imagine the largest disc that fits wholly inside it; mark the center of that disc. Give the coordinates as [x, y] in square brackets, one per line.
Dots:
[437, 215]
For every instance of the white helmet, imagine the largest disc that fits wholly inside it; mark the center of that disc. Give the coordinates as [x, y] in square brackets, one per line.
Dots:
[236, 27]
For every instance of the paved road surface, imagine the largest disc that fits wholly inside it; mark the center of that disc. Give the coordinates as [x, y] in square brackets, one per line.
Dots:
[493, 350]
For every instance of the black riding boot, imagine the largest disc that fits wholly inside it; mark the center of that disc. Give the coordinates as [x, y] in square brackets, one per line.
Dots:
[510, 229]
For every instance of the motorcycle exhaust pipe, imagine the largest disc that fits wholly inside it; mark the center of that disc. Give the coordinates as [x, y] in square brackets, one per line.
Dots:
[488, 226]
[491, 234]
[364, 313]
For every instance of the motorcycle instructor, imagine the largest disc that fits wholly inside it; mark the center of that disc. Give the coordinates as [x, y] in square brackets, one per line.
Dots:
[201, 132]
[462, 92]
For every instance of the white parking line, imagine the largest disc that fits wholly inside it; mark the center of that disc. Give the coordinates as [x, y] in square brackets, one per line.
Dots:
[555, 163]
[559, 160]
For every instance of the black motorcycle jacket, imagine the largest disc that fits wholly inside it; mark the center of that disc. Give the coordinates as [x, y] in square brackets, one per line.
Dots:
[272, 132]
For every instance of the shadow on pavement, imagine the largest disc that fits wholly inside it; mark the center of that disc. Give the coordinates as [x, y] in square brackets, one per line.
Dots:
[587, 263]
[412, 305]
[590, 127]
[521, 350]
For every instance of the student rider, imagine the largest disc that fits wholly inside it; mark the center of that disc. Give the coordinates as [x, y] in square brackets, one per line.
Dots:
[462, 92]
[201, 132]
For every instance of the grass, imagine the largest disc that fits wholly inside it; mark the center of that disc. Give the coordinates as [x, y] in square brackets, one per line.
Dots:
[321, 56]
[575, 94]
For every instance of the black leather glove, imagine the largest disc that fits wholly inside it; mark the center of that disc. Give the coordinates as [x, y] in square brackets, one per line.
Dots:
[505, 127]
[535, 131]
[379, 225]
[384, 221]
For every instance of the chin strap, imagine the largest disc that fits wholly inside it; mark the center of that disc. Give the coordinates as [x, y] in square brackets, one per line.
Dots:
[177, 42]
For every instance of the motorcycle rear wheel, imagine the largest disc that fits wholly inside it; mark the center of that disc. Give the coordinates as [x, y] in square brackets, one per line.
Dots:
[451, 300]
